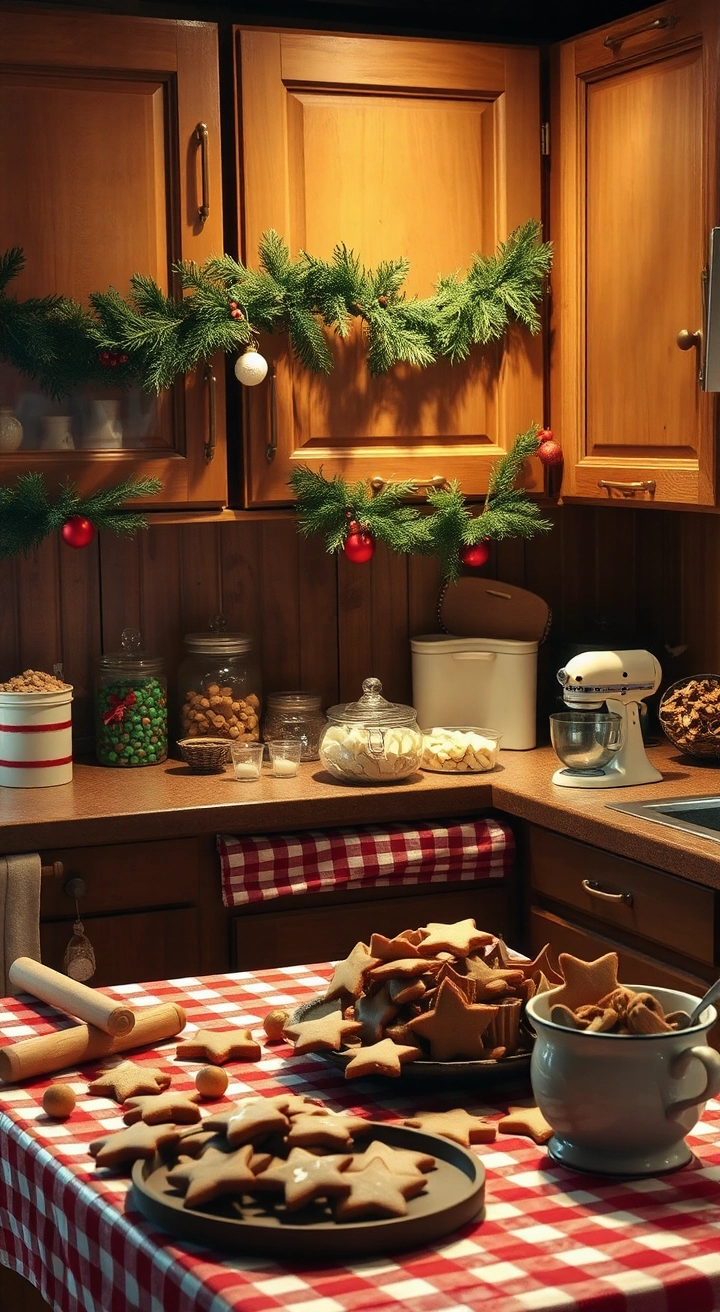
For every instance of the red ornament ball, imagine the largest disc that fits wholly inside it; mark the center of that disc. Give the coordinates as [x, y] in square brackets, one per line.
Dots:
[77, 531]
[359, 546]
[550, 453]
[475, 555]
[545, 435]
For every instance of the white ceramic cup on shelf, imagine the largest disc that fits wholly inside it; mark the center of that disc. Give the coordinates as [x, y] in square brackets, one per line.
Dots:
[56, 434]
[622, 1104]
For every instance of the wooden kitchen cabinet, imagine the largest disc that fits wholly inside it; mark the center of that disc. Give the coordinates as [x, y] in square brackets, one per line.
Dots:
[105, 169]
[634, 176]
[395, 147]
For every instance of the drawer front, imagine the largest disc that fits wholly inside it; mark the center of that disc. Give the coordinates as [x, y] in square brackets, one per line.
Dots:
[643, 901]
[635, 967]
[131, 948]
[123, 876]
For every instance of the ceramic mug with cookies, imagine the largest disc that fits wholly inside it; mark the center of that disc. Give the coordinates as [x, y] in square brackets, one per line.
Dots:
[621, 1102]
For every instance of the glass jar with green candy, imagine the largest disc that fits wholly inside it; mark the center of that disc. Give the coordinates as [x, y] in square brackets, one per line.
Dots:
[131, 706]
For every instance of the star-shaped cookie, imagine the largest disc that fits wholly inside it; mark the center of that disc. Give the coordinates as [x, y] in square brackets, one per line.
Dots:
[304, 1177]
[400, 1161]
[127, 1145]
[219, 1047]
[333, 1130]
[214, 1174]
[457, 1125]
[585, 981]
[528, 1121]
[163, 1108]
[460, 938]
[374, 1011]
[377, 1192]
[322, 1035]
[128, 1079]
[348, 976]
[392, 949]
[383, 1058]
[454, 1028]
[255, 1121]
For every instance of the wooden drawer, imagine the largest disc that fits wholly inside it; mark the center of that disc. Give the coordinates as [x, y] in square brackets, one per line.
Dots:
[327, 931]
[123, 877]
[131, 948]
[662, 908]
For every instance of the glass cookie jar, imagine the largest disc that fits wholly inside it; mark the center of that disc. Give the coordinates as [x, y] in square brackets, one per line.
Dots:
[219, 686]
[131, 706]
[371, 740]
[295, 715]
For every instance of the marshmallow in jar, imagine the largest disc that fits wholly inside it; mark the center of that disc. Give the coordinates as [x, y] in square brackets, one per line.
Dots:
[371, 740]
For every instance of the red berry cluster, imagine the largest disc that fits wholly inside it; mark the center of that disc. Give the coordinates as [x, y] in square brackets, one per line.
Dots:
[110, 359]
[235, 311]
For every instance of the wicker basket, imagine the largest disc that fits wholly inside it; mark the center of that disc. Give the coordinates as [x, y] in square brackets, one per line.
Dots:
[205, 755]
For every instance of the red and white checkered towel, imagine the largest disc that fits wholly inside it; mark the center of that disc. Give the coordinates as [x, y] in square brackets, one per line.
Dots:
[265, 866]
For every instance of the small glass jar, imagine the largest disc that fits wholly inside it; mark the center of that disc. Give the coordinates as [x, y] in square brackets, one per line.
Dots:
[131, 706]
[295, 715]
[219, 686]
[371, 740]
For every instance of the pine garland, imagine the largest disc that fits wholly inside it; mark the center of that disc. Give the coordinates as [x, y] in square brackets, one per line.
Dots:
[148, 338]
[328, 506]
[27, 515]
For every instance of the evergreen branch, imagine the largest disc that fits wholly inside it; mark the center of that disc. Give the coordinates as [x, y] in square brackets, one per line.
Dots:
[27, 515]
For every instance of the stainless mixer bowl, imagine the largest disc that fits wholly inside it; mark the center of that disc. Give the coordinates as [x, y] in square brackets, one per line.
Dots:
[586, 740]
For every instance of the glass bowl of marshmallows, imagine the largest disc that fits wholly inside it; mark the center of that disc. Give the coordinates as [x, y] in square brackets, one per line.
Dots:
[459, 748]
[371, 740]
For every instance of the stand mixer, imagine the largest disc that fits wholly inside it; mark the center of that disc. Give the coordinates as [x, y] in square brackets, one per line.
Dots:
[622, 679]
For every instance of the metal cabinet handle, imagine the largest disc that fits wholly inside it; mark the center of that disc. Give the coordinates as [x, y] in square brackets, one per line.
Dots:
[201, 136]
[211, 386]
[629, 489]
[437, 481]
[271, 448]
[668, 22]
[591, 887]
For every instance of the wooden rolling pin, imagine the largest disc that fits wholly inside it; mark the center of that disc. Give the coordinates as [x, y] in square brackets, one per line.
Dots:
[73, 998]
[81, 1043]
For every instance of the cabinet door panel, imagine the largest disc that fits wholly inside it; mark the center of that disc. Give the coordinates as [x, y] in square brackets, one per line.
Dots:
[427, 150]
[633, 202]
[131, 948]
[98, 118]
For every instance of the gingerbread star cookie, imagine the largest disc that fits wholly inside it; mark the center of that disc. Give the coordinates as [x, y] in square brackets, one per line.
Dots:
[322, 1035]
[161, 1108]
[333, 1130]
[254, 1121]
[304, 1177]
[585, 981]
[454, 1028]
[374, 1011]
[383, 1058]
[392, 949]
[528, 1121]
[459, 938]
[214, 1174]
[399, 1161]
[128, 1079]
[457, 1125]
[139, 1140]
[377, 1192]
[219, 1047]
[348, 976]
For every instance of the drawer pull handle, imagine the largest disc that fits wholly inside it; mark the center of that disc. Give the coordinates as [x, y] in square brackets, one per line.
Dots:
[612, 42]
[211, 387]
[54, 870]
[271, 448]
[628, 489]
[201, 136]
[591, 887]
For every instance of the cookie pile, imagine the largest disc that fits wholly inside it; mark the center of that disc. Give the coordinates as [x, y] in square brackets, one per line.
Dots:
[689, 714]
[592, 999]
[280, 1154]
[445, 992]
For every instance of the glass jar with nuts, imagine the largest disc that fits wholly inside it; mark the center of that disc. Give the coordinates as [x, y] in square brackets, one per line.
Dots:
[219, 686]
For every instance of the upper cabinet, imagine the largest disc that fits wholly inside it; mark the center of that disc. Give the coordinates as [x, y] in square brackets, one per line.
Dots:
[423, 149]
[110, 160]
[634, 177]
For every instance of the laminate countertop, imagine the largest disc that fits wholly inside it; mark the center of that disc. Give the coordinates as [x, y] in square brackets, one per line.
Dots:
[103, 805]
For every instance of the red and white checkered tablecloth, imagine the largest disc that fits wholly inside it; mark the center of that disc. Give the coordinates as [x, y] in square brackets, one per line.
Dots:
[552, 1238]
[264, 866]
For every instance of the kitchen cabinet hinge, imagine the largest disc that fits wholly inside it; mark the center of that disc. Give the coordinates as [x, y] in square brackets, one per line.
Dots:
[545, 139]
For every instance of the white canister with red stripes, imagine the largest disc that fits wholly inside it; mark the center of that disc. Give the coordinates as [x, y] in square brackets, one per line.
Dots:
[35, 739]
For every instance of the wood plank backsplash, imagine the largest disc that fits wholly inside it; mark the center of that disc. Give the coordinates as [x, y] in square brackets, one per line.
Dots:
[611, 574]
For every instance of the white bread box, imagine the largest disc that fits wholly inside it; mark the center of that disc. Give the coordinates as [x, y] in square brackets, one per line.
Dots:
[487, 682]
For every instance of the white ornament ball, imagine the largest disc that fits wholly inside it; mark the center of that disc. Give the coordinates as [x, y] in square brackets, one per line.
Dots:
[251, 368]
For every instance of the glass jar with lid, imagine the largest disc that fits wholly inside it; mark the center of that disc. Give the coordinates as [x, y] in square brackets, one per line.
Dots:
[371, 740]
[219, 685]
[131, 706]
[295, 715]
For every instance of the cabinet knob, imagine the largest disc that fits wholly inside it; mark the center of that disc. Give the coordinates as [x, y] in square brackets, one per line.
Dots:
[687, 340]
[75, 887]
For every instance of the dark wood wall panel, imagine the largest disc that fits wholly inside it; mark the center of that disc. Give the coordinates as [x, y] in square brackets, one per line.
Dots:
[323, 624]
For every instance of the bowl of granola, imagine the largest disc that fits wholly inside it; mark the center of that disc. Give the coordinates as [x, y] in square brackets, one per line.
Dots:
[689, 715]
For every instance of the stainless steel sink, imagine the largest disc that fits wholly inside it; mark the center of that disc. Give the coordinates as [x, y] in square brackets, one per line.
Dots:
[694, 815]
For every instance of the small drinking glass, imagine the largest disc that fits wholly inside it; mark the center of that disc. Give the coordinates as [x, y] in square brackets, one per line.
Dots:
[285, 756]
[247, 760]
